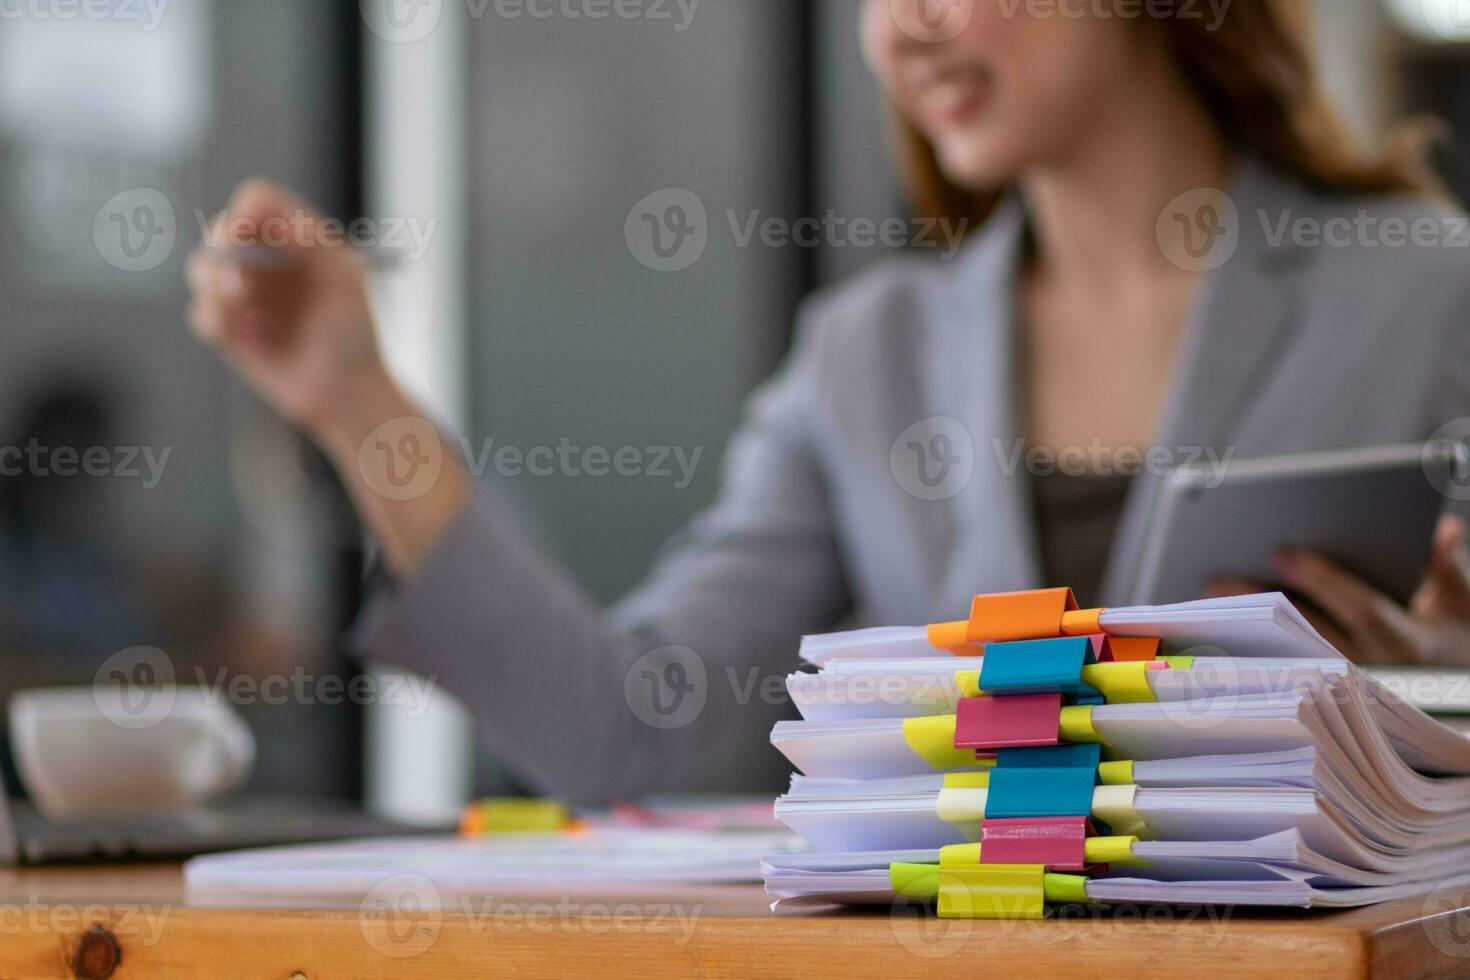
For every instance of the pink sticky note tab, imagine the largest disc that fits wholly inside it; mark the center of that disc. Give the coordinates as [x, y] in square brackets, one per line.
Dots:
[1102, 650]
[1060, 843]
[1007, 722]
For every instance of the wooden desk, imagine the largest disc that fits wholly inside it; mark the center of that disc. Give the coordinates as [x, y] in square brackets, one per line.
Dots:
[51, 920]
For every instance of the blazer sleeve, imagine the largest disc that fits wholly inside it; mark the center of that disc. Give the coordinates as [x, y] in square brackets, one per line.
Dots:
[678, 685]
[1449, 391]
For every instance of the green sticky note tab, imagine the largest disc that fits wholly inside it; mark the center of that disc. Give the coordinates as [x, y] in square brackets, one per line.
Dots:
[916, 881]
[1066, 889]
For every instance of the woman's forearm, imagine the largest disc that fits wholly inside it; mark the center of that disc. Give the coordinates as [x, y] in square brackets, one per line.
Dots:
[408, 486]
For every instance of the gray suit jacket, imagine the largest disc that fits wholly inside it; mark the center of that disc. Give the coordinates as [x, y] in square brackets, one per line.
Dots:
[821, 521]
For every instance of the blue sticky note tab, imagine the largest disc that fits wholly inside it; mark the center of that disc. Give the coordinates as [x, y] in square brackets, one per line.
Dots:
[1090, 701]
[1037, 667]
[1039, 792]
[1077, 756]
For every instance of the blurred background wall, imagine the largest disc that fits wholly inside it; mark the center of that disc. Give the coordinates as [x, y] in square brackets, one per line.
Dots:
[535, 143]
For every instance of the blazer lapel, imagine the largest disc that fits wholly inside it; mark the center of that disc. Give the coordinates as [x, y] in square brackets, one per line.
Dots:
[1244, 320]
[970, 374]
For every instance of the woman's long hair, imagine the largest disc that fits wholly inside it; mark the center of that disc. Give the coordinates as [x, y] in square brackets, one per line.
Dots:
[1254, 74]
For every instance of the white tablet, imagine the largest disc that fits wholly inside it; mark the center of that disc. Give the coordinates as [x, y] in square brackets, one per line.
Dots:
[1371, 510]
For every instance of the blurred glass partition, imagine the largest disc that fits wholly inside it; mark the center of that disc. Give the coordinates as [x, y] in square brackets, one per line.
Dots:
[145, 498]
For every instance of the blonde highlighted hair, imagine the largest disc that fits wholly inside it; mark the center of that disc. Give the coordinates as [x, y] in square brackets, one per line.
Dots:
[1254, 74]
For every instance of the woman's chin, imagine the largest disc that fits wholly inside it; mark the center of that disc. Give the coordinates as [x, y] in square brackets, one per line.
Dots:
[976, 166]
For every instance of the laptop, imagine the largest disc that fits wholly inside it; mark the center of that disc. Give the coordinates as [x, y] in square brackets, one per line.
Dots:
[27, 837]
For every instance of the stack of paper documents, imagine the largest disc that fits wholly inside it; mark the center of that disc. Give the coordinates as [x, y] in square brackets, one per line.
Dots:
[1214, 752]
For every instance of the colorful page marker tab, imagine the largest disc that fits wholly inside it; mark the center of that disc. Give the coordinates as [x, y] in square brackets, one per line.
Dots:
[1040, 793]
[1062, 889]
[514, 816]
[1032, 615]
[995, 723]
[992, 892]
[951, 638]
[1121, 682]
[1051, 757]
[964, 807]
[932, 739]
[1129, 649]
[959, 855]
[1119, 773]
[1114, 806]
[916, 881]
[1037, 666]
[1074, 724]
[967, 682]
[1059, 843]
[1110, 850]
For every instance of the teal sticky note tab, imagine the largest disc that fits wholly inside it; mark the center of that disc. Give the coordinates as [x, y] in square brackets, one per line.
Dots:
[1024, 792]
[1092, 700]
[1076, 756]
[1037, 667]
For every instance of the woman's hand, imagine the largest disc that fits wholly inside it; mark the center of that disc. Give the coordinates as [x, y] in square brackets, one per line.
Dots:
[1370, 628]
[292, 315]
[285, 302]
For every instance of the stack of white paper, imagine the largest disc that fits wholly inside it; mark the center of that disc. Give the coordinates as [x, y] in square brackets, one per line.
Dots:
[1248, 764]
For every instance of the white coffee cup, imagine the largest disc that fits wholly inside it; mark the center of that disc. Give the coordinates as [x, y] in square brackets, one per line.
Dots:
[92, 752]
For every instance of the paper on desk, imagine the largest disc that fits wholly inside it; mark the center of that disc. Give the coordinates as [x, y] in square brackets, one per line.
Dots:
[596, 860]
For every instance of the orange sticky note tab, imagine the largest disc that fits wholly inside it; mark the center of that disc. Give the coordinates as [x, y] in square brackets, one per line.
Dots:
[1130, 649]
[1034, 615]
[950, 637]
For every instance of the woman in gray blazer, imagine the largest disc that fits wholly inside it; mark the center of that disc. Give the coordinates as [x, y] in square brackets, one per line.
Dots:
[1169, 247]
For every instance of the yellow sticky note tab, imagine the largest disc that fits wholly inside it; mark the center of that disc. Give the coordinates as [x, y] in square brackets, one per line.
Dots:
[959, 856]
[1114, 805]
[1116, 773]
[916, 881]
[1121, 683]
[932, 739]
[1075, 724]
[514, 816]
[968, 683]
[995, 891]
[969, 780]
[1110, 850]
[1065, 889]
